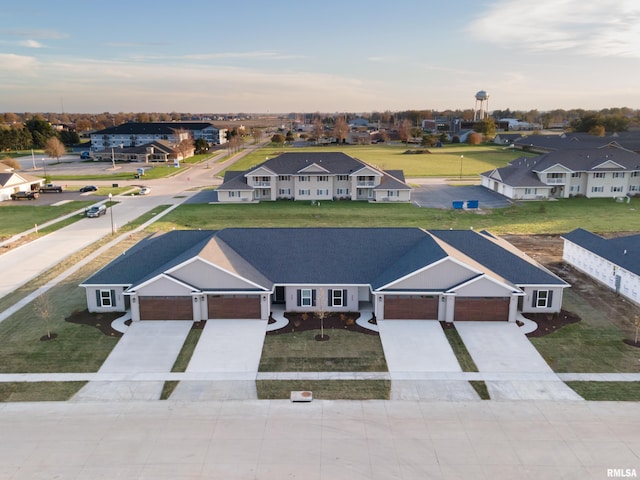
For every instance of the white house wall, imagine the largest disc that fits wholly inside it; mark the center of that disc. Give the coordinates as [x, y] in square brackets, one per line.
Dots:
[235, 196]
[163, 286]
[437, 277]
[392, 195]
[556, 300]
[92, 304]
[208, 277]
[602, 270]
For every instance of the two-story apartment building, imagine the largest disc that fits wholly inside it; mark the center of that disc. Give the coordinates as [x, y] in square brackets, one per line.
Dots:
[133, 134]
[314, 176]
[594, 173]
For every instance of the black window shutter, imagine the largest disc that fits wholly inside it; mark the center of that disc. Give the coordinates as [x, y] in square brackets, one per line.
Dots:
[330, 298]
[313, 297]
[299, 297]
[549, 298]
[98, 299]
[113, 298]
[534, 302]
[344, 297]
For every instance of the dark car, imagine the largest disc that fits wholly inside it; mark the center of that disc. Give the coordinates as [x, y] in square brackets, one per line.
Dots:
[89, 188]
[96, 211]
[24, 195]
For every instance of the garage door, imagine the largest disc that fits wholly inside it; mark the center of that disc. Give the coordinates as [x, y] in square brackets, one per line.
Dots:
[165, 308]
[481, 309]
[411, 307]
[233, 306]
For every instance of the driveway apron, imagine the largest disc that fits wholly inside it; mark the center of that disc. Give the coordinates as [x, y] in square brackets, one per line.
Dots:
[511, 366]
[421, 363]
[146, 347]
[231, 351]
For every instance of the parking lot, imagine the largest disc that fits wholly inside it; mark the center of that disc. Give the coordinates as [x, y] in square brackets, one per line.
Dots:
[443, 196]
[53, 198]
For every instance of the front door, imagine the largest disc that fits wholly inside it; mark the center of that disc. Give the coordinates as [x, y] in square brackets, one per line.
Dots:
[279, 295]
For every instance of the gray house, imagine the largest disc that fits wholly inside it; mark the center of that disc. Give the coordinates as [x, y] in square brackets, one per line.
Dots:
[399, 273]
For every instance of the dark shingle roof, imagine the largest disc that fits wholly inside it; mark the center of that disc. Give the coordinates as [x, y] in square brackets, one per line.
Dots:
[152, 128]
[150, 257]
[589, 159]
[621, 251]
[506, 264]
[291, 163]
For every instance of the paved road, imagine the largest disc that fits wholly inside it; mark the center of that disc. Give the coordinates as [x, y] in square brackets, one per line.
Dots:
[321, 440]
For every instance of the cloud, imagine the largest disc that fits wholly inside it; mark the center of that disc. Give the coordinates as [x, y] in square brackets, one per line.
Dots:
[575, 26]
[17, 63]
[42, 34]
[260, 54]
[31, 44]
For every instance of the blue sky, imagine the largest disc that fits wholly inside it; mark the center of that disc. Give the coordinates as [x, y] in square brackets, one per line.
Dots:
[327, 56]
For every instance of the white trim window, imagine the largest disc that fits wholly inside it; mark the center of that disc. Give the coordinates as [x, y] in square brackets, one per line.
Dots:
[597, 189]
[105, 298]
[542, 298]
[304, 192]
[599, 175]
[306, 297]
[616, 188]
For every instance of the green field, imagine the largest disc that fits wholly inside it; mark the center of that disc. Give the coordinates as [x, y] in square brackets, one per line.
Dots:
[18, 218]
[552, 217]
[442, 162]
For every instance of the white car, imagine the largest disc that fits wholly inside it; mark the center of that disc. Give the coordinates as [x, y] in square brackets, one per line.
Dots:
[144, 191]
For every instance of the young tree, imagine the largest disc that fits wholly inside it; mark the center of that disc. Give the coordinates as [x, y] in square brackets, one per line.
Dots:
[321, 313]
[340, 129]
[256, 134]
[11, 162]
[44, 309]
[202, 146]
[317, 129]
[185, 145]
[278, 138]
[54, 148]
[404, 130]
[474, 138]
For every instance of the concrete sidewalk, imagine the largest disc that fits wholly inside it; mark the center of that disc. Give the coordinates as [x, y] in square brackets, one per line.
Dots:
[321, 440]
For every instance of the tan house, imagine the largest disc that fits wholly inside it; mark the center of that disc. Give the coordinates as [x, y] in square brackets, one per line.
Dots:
[13, 182]
[399, 273]
[314, 176]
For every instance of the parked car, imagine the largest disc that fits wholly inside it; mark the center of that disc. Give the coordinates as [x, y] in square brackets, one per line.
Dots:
[89, 188]
[50, 187]
[24, 196]
[144, 191]
[96, 211]
[85, 155]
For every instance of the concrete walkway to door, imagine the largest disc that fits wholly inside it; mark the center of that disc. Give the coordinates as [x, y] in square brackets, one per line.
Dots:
[421, 363]
[231, 350]
[146, 347]
[514, 369]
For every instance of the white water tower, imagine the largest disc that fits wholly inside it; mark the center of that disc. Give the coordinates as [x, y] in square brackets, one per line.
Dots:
[481, 108]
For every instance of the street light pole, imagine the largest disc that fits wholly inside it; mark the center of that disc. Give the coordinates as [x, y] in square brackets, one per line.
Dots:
[111, 210]
[461, 157]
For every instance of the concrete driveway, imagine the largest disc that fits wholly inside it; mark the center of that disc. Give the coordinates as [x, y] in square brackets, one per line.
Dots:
[443, 196]
[421, 363]
[512, 368]
[146, 347]
[231, 351]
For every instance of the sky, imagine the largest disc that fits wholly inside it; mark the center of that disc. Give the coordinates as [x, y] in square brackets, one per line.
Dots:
[253, 56]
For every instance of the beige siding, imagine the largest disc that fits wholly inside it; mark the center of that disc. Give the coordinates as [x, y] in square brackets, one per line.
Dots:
[163, 287]
[483, 287]
[208, 277]
[438, 277]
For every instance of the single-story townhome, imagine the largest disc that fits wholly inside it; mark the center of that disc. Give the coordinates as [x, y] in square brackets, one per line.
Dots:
[13, 182]
[614, 262]
[157, 151]
[605, 172]
[399, 273]
[315, 176]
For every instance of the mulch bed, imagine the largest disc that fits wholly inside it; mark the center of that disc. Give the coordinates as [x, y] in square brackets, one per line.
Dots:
[101, 321]
[298, 322]
[632, 343]
[549, 323]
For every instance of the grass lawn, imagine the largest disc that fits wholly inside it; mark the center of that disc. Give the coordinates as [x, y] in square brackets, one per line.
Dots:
[591, 345]
[607, 391]
[38, 391]
[158, 171]
[345, 351]
[18, 218]
[325, 389]
[554, 217]
[442, 162]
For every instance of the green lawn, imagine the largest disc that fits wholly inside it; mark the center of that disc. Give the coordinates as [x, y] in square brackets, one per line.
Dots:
[553, 217]
[18, 218]
[594, 344]
[442, 162]
[151, 172]
[345, 351]
[325, 389]
[607, 391]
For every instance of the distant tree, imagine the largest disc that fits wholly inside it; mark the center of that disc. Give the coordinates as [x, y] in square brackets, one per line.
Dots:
[43, 308]
[40, 131]
[384, 135]
[317, 128]
[54, 148]
[486, 127]
[143, 117]
[474, 138]
[11, 163]
[404, 130]
[201, 145]
[256, 134]
[340, 129]
[278, 138]
[597, 131]
[290, 137]
[83, 124]
[69, 138]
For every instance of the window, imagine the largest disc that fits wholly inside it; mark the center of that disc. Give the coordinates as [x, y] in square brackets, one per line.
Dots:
[343, 178]
[323, 178]
[618, 174]
[634, 188]
[542, 298]
[234, 194]
[616, 189]
[304, 178]
[338, 298]
[306, 297]
[597, 189]
[635, 174]
[530, 191]
[574, 188]
[599, 175]
[105, 298]
[284, 191]
[304, 192]
[284, 178]
[322, 191]
[392, 193]
[342, 191]
[576, 175]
